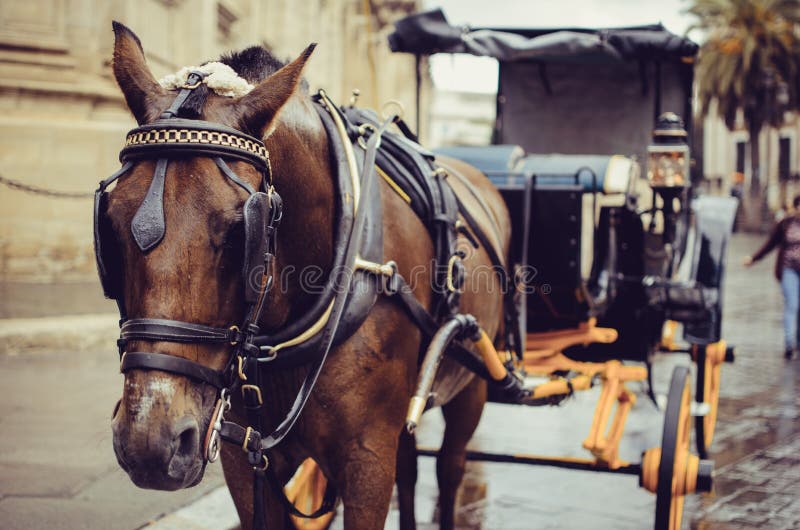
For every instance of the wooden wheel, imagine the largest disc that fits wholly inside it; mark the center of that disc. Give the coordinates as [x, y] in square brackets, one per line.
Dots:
[306, 490]
[670, 471]
[709, 361]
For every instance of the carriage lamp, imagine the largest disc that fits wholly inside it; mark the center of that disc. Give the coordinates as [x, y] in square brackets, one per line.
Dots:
[668, 155]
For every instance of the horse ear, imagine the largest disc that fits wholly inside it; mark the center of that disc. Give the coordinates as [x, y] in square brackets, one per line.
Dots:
[260, 107]
[141, 90]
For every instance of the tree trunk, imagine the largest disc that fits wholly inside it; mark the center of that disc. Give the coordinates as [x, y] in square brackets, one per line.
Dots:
[753, 201]
[755, 163]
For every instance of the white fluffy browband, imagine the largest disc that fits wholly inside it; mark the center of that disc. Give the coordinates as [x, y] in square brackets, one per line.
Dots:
[221, 78]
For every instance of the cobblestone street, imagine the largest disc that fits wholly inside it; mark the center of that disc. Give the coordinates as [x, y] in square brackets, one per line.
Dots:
[57, 468]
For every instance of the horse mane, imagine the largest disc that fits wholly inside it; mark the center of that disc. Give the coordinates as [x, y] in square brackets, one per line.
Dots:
[255, 64]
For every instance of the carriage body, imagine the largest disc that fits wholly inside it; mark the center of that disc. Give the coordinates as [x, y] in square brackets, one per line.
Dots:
[576, 110]
[613, 246]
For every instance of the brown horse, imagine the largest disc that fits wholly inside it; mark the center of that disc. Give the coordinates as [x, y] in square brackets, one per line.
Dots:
[353, 421]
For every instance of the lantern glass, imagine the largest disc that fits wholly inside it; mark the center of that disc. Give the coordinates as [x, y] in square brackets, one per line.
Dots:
[668, 166]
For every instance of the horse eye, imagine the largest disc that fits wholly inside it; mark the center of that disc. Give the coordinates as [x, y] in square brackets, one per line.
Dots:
[234, 236]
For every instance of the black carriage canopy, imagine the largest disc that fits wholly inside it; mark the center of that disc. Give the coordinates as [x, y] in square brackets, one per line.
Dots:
[570, 90]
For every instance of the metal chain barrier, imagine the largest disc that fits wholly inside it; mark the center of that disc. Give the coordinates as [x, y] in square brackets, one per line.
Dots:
[36, 190]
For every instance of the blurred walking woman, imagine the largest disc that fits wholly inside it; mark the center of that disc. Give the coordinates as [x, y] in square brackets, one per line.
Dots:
[786, 238]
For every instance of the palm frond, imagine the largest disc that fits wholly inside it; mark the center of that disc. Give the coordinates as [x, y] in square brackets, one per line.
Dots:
[750, 61]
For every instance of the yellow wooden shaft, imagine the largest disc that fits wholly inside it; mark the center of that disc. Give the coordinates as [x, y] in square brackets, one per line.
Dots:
[560, 387]
[490, 357]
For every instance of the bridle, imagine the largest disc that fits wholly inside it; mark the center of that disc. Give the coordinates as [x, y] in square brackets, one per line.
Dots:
[163, 140]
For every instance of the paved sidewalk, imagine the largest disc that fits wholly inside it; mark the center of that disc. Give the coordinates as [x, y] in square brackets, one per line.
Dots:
[57, 466]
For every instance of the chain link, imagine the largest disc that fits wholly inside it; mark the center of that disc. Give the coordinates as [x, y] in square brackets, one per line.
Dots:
[14, 184]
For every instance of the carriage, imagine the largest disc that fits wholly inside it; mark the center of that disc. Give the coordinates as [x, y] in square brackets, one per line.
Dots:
[593, 265]
[611, 258]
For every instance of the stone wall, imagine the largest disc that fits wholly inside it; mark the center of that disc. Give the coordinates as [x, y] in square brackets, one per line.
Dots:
[62, 118]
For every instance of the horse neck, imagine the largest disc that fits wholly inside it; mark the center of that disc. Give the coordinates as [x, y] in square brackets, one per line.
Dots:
[303, 177]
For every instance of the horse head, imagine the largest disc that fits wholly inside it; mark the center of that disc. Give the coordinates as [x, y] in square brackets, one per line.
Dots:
[177, 225]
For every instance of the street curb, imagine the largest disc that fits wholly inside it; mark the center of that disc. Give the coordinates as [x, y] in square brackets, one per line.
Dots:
[213, 511]
[73, 333]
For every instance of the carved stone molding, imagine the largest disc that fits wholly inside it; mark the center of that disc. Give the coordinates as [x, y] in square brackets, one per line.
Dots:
[34, 24]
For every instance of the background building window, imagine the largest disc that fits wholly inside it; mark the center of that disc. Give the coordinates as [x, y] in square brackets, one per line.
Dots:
[784, 158]
[740, 151]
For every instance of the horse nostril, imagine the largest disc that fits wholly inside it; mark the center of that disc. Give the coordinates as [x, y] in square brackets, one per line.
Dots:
[187, 439]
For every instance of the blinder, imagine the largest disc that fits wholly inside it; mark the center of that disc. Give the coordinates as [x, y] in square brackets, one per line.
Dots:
[106, 249]
[261, 212]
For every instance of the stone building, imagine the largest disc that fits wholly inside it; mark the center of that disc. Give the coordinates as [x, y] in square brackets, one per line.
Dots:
[727, 153]
[63, 120]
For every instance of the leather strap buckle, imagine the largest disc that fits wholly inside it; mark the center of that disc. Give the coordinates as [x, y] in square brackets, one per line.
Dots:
[455, 273]
[240, 368]
[256, 390]
[234, 334]
[250, 436]
[200, 76]
[264, 464]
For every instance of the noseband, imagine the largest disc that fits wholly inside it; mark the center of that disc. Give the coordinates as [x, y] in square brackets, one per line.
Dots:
[162, 141]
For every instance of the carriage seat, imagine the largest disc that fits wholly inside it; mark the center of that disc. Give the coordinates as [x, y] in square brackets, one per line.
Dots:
[592, 173]
[508, 164]
[497, 162]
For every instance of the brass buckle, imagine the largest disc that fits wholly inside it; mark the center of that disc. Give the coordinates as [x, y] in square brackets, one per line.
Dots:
[263, 466]
[237, 330]
[255, 389]
[247, 433]
[193, 86]
[240, 361]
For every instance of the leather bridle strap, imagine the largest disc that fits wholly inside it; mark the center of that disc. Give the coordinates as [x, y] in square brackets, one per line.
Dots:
[172, 364]
[233, 176]
[157, 329]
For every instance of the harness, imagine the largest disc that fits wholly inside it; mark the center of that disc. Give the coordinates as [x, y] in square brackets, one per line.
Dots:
[341, 310]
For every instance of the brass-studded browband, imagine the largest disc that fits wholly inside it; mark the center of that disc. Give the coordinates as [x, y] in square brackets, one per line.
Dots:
[175, 137]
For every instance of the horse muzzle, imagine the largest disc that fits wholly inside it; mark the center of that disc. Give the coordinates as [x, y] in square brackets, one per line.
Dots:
[165, 458]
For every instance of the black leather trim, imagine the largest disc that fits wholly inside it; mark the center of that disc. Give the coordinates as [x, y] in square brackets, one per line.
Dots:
[106, 252]
[228, 172]
[256, 218]
[173, 365]
[157, 329]
[148, 226]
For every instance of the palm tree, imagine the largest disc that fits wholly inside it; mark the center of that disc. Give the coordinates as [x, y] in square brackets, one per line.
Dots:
[750, 63]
